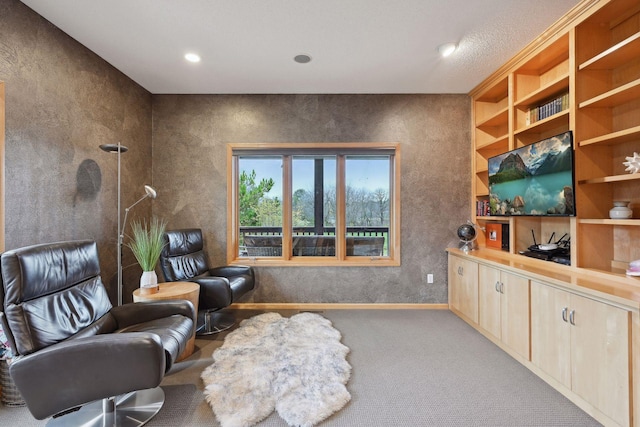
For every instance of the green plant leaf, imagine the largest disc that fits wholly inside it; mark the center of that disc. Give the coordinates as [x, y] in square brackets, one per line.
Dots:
[146, 242]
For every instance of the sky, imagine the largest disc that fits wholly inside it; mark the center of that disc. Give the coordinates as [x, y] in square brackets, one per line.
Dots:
[368, 174]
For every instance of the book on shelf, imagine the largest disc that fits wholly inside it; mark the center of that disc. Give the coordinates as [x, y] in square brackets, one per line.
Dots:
[548, 108]
[482, 208]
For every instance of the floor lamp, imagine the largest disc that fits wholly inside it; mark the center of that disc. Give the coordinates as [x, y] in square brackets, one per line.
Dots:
[118, 149]
[149, 192]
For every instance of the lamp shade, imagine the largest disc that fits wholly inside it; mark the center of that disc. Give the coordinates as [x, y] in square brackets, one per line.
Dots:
[113, 148]
[151, 192]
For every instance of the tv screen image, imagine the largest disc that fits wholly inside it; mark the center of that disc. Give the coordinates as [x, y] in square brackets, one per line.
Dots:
[537, 179]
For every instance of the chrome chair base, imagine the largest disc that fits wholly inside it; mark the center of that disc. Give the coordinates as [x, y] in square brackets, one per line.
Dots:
[127, 410]
[213, 322]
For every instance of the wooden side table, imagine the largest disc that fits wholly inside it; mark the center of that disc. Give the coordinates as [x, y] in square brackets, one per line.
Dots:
[171, 291]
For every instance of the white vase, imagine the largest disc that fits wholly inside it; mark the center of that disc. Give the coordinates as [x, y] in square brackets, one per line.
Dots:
[149, 279]
[620, 210]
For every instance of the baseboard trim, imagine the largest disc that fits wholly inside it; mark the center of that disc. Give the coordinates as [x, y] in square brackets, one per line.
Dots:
[333, 306]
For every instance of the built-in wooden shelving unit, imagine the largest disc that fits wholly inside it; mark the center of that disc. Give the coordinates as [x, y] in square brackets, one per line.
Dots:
[594, 56]
[590, 57]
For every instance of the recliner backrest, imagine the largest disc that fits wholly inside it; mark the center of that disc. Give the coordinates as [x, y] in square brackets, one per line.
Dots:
[51, 292]
[183, 256]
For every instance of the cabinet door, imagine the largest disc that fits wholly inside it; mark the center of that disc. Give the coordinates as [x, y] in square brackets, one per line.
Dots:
[463, 287]
[489, 300]
[515, 313]
[600, 356]
[453, 286]
[550, 334]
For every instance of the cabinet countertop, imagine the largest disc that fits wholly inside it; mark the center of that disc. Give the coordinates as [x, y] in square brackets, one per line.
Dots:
[618, 289]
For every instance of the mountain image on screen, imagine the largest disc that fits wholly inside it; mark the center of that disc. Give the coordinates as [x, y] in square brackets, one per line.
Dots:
[555, 162]
[513, 167]
[536, 179]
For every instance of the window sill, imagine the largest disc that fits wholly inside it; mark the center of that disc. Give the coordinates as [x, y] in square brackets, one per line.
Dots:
[316, 262]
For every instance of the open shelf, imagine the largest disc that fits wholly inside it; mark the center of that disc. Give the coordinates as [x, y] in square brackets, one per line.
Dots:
[554, 87]
[496, 93]
[491, 131]
[615, 56]
[620, 95]
[611, 179]
[503, 219]
[499, 143]
[621, 136]
[544, 125]
[496, 119]
[607, 221]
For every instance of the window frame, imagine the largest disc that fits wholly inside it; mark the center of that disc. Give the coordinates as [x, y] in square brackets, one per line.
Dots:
[291, 149]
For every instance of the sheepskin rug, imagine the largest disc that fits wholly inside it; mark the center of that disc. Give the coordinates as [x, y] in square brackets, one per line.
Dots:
[295, 365]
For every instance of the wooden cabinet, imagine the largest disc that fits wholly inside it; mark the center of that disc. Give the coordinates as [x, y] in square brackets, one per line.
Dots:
[583, 344]
[463, 287]
[574, 329]
[550, 337]
[593, 55]
[580, 342]
[504, 307]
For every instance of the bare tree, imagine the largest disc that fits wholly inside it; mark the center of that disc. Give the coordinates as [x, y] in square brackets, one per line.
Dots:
[381, 200]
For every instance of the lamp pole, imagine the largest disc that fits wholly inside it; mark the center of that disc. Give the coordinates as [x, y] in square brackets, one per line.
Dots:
[149, 192]
[118, 149]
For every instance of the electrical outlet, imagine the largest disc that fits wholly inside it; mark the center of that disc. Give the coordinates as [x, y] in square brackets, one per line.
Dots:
[429, 278]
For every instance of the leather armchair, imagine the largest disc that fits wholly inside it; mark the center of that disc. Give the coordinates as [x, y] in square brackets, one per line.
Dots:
[72, 347]
[183, 259]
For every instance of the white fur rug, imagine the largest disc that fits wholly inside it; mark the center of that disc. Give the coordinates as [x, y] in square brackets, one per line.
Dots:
[295, 365]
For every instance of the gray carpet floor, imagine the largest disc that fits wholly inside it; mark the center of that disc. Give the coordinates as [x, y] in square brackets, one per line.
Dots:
[410, 368]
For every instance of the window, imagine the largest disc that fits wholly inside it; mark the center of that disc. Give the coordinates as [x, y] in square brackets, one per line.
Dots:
[314, 204]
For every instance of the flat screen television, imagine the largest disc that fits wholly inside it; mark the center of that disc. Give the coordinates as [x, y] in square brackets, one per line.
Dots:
[535, 180]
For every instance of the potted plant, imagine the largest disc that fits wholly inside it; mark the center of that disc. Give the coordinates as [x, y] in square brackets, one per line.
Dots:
[146, 244]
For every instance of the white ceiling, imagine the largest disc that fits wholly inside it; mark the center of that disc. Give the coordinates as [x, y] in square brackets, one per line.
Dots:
[357, 46]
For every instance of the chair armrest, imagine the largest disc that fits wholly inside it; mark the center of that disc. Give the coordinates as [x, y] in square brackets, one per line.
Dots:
[231, 270]
[87, 369]
[139, 312]
[215, 292]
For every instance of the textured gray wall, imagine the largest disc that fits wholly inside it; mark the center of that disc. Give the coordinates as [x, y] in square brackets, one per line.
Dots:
[62, 102]
[190, 134]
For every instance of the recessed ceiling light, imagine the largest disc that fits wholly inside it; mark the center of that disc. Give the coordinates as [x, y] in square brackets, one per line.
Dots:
[192, 57]
[447, 49]
[302, 59]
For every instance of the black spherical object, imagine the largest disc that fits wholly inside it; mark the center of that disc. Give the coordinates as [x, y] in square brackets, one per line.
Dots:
[467, 235]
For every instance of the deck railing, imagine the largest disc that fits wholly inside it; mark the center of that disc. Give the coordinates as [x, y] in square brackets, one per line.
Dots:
[311, 231]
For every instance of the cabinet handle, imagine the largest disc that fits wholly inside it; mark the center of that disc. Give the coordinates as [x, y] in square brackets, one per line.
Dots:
[501, 288]
[564, 314]
[460, 271]
[572, 317]
[497, 286]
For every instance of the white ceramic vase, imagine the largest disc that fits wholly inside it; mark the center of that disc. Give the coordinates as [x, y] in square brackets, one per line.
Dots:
[149, 279]
[620, 210]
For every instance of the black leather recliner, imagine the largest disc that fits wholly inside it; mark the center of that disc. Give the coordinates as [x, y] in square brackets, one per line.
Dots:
[72, 347]
[183, 259]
